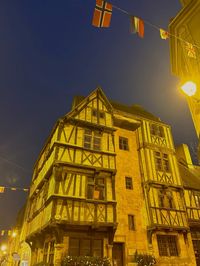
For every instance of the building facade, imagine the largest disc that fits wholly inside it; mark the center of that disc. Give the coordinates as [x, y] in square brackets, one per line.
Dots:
[191, 181]
[107, 183]
[185, 58]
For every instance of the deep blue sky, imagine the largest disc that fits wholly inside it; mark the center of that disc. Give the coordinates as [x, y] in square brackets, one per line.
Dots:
[49, 52]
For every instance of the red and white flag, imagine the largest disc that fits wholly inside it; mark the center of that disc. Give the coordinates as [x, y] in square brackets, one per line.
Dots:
[102, 14]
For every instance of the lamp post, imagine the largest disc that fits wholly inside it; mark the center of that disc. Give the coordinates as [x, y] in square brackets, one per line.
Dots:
[191, 90]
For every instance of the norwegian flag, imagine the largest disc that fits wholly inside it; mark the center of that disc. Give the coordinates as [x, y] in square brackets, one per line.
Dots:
[102, 14]
[190, 50]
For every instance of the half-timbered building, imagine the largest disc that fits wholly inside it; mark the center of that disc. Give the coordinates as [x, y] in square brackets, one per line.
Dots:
[107, 183]
[190, 175]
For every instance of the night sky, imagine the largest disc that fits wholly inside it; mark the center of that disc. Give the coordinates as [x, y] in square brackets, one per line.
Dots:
[49, 52]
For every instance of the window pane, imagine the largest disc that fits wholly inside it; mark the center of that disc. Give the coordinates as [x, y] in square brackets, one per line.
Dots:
[85, 247]
[102, 115]
[97, 248]
[173, 251]
[129, 184]
[123, 143]
[74, 247]
[94, 112]
[90, 191]
[162, 245]
[131, 224]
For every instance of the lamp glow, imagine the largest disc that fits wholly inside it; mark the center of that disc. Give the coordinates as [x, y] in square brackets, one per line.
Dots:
[3, 248]
[189, 88]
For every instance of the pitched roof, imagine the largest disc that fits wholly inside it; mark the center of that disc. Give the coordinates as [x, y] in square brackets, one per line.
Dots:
[136, 110]
[190, 176]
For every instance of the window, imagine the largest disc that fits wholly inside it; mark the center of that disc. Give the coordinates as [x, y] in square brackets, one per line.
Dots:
[49, 253]
[45, 252]
[161, 161]
[131, 222]
[165, 199]
[85, 247]
[96, 188]
[123, 143]
[92, 139]
[197, 199]
[167, 245]
[157, 130]
[129, 182]
[97, 113]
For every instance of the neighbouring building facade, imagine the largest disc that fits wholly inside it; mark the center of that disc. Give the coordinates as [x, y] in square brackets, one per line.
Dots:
[191, 181]
[185, 60]
[107, 183]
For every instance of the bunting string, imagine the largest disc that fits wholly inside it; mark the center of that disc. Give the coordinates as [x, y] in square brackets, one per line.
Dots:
[3, 188]
[102, 17]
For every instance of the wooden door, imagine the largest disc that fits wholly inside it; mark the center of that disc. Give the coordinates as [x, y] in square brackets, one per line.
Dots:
[196, 245]
[118, 254]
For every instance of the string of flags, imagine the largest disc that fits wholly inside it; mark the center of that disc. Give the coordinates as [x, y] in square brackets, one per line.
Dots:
[3, 188]
[7, 232]
[102, 19]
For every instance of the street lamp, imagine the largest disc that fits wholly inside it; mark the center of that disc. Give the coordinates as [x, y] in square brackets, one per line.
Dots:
[189, 88]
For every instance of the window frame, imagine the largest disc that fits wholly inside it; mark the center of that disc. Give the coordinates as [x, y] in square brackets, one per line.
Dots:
[92, 139]
[165, 199]
[131, 222]
[162, 162]
[123, 143]
[157, 130]
[129, 182]
[165, 247]
[98, 187]
[79, 247]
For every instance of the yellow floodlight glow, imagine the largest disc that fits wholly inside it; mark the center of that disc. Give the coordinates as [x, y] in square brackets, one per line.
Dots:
[14, 234]
[189, 88]
[3, 247]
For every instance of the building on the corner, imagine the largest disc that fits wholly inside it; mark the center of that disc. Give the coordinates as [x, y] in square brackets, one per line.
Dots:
[107, 183]
[191, 181]
[185, 53]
